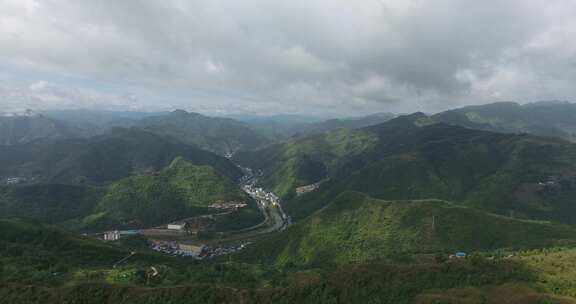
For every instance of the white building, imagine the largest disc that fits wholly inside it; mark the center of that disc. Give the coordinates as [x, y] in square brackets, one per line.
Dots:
[175, 226]
[112, 235]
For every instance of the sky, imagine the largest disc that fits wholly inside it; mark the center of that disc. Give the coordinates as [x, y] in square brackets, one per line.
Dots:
[317, 57]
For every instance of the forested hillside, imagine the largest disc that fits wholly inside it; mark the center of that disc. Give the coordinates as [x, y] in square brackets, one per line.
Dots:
[117, 154]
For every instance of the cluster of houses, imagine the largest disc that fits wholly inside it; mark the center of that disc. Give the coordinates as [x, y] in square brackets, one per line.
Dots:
[179, 249]
[193, 250]
[261, 194]
[231, 205]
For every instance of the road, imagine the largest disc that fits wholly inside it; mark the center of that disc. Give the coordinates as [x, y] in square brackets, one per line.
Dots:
[275, 219]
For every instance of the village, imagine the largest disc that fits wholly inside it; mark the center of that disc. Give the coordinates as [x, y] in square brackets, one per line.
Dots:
[181, 238]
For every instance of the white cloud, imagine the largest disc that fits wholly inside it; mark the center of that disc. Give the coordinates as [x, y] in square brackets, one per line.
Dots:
[302, 54]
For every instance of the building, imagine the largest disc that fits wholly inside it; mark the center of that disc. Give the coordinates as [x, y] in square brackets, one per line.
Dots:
[175, 226]
[231, 205]
[112, 235]
[191, 250]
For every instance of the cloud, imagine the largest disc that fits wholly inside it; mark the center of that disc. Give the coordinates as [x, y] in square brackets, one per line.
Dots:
[300, 55]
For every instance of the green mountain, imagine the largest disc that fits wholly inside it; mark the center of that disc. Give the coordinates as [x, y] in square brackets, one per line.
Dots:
[413, 158]
[355, 228]
[281, 128]
[29, 127]
[49, 203]
[220, 135]
[42, 264]
[306, 160]
[179, 191]
[101, 159]
[556, 119]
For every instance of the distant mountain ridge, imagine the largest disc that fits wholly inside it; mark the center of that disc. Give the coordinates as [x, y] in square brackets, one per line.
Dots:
[283, 128]
[117, 154]
[555, 119]
[28, 126]
[223, 136]
[413, 157]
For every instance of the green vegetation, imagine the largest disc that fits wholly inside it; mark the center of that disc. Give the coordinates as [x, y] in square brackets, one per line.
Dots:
[49, 203]
[397, 199]
[410, 157]
[219, 135]
[356, 228]
[181, 190]
[305, 161]
[117, 154]
[16, 130]
[556, 119]
[41, 264]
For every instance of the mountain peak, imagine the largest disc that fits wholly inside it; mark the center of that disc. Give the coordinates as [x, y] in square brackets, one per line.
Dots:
[417, 119]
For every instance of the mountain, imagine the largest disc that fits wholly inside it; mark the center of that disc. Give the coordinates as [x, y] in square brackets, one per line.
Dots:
[22, 128]
[99, 120]
[414, 186]
[305, 160]
[310, 159]
[179, 191]
[49, 203]
[43, 264]
[348, 123]
[355, 228]
[115, 155]
[412, 157]
[555, 119]
[280, 128]
[223, 136]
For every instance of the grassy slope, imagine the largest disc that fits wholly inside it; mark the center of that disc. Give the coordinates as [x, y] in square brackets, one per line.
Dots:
[357, 228]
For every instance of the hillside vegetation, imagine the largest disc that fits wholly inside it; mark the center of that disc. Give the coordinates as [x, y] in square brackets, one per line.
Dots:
[29, 127]
[41, 264]
[117, 154]
[555, 119]
[356, 228]
[305, 161]
[180, 190]
[219, 135]
[411, 157]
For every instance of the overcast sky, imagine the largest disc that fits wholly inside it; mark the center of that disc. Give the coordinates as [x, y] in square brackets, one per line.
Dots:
[284, 56]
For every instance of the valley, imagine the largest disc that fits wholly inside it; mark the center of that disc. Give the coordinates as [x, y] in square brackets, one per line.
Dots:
[275, 220]
[461, 212]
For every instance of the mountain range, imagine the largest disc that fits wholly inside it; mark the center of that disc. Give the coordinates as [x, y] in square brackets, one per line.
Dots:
[378, 209]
